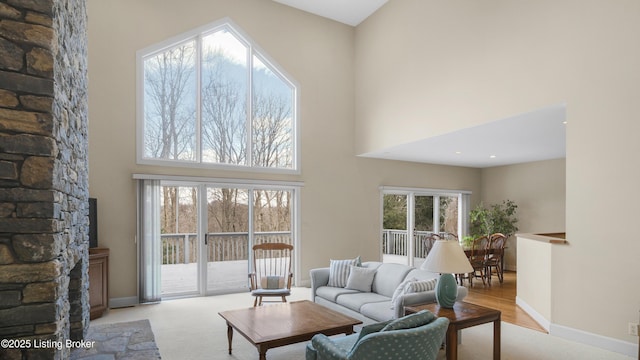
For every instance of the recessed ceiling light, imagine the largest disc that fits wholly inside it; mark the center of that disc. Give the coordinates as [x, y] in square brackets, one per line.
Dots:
[458, 152]
[492, 156]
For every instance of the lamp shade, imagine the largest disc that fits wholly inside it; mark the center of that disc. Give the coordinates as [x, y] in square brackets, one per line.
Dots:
[447, 257]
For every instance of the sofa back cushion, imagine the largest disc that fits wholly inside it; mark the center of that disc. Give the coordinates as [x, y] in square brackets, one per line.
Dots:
[388, 277]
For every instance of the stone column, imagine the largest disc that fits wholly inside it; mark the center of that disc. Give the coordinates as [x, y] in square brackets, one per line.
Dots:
[43, 176]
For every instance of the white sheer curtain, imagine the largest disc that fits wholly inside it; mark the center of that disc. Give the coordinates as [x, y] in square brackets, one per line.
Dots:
[149, 242]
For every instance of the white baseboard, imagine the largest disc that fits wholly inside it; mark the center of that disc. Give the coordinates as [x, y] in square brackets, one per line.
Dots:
[541, 320]
[565, 332]
[603, 342]
[123, 302]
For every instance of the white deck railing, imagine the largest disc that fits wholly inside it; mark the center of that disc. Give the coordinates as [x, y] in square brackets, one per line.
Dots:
[395, 242]
[231, 246]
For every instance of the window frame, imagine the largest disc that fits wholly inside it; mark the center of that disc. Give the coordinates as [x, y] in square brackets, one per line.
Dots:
[149, 282]
[253, 50]
[464, 197]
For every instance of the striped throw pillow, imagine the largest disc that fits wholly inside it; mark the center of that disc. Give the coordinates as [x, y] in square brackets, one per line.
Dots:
[339, 272]
[420, 286]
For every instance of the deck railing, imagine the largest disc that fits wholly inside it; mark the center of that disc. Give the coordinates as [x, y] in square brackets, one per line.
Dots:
[395, 242]
[183, 248]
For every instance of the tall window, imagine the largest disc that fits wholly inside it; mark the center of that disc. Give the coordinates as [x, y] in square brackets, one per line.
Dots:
[210, 98]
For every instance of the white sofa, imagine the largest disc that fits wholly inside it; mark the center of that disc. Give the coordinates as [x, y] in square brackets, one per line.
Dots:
[374, 306]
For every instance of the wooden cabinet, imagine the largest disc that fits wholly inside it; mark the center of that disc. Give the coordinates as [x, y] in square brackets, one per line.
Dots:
[98, 281]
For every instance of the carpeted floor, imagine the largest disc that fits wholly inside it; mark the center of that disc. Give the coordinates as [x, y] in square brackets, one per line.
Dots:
[192, 329]
[132, 340]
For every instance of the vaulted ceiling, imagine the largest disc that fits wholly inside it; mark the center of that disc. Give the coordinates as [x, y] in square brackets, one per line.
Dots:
[533, 136]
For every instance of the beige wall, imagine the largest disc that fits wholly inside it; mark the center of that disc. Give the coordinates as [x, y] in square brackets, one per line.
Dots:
[428, 67]
[448, 65]
[340, 200]
[535, 278]
[538, 188]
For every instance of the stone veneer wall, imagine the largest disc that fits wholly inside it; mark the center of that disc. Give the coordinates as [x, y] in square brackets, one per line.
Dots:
[43, 176]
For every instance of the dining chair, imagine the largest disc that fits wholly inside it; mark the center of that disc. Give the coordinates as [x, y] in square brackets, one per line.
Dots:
[497, 242]
[428, 242]
[271, 276]
[478, 259]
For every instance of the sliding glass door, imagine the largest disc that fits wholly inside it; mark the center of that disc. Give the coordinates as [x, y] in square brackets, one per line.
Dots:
[196, 238]
[410, 216]
[178, 238]
[237, 219]
[226, 239]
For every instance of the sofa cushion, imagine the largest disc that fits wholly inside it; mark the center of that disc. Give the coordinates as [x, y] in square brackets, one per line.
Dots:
[356, 300]
[360, 278]
[388, 277]
[331, 293]
[410, 321]
[339, 271]
[378, 311]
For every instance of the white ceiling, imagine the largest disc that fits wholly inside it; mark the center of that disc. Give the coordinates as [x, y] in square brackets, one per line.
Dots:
[534, 136]
[350, 12]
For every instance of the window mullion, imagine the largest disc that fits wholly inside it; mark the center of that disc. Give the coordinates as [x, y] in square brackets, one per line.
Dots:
[199, 99]
[250, 107]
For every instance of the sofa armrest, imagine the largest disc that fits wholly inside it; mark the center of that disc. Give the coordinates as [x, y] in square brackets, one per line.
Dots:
[319, 277]
[421, 298]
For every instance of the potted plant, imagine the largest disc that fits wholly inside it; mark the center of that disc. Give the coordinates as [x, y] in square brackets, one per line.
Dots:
[467, 241]
[497, 218]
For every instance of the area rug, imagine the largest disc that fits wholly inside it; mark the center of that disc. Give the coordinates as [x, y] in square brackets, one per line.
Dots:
[122, 341]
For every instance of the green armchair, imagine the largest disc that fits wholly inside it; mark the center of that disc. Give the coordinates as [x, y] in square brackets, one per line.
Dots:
[415, 336]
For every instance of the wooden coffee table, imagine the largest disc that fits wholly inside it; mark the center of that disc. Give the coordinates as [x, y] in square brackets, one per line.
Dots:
[463, 315]
[271, 326]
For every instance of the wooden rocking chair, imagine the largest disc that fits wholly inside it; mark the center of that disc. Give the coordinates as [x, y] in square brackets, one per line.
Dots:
[271, 276]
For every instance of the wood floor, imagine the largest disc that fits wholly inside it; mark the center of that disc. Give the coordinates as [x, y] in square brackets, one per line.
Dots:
[501, 297]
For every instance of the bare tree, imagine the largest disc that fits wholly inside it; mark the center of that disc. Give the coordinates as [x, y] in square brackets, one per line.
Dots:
[272, 209]
[169, 106]
[239, 126]
[271, 130]
[224, 116]
[227, 210]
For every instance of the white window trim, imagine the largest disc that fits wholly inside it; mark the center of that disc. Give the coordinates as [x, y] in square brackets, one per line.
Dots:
[463, 209]
[255, 50]
[293, 186]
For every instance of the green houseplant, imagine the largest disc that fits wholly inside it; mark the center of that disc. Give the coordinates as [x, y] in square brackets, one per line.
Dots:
[496, 218]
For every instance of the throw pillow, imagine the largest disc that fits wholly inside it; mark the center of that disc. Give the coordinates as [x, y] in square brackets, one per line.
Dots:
[272, 282]
[339, 272]
[360, 278]
[420, 286]
[400, 290]
[410, 321]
